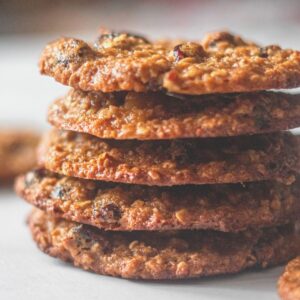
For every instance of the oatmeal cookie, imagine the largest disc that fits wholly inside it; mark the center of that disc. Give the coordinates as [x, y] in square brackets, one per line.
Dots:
[289, 282]
[172, 162]
[162, 255]
[154, 116]
[220, 63]
[17, 153]
[116, 206]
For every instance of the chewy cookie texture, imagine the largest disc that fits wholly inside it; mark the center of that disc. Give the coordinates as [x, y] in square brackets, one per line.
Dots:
[220, 63]
[152, 116]
[172, 162]
[162, 255]
[115, 206]
[168, 159]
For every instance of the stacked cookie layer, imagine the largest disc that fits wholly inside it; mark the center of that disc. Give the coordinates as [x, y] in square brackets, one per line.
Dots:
[167, 160]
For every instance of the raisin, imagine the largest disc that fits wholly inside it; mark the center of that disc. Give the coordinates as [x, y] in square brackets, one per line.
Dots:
[78, 51]
[59, 192]
[115, 34]
[188, 50]
[109, 213]
[86, 236]
[84, 232]
[263, 52]
[178, 53]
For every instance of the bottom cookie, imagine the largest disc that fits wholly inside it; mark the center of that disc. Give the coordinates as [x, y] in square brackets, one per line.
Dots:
[289, 282]
[162, 255]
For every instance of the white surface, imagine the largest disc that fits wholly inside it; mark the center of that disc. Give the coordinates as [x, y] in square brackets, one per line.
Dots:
[27, 274]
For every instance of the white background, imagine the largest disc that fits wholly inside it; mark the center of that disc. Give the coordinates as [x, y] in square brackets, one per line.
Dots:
[25, 273]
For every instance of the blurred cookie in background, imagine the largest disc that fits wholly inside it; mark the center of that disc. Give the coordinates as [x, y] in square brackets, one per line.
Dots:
[289, 282]
[17, 153]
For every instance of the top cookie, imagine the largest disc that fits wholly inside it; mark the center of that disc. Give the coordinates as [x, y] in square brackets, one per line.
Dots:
[220, 63]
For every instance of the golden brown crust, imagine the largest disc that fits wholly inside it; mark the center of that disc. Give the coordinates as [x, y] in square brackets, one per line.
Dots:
[17, 153]
[174, 162]
[221, 63]
[154, 116]
[289, 282]
[131, 207]
[156, 255]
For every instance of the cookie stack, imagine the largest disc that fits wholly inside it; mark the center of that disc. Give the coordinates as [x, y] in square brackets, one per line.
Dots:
[168, 160]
